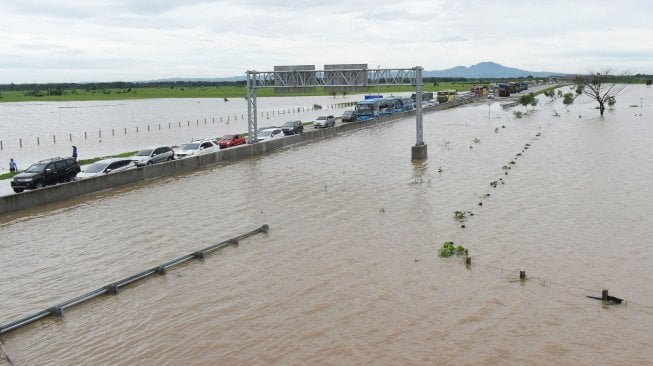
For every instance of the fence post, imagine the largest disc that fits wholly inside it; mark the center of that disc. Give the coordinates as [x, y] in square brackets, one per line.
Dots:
[85, 136]
[99, 133]
[113, 132]
[37, 141]
[0, 144]
[54, 139]
[148, 128]
[20, 142]
[125, 130]
[136, 129]
[70, 136]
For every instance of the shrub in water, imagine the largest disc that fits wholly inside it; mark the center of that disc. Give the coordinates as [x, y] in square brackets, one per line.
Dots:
[448, 249]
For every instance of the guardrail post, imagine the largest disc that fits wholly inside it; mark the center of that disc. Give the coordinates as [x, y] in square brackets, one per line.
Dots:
[56, 311]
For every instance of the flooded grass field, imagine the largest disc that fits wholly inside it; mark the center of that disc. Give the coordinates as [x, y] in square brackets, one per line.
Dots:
[349, 273]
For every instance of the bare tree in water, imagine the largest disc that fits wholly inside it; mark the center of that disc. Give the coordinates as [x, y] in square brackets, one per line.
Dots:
[602, 87]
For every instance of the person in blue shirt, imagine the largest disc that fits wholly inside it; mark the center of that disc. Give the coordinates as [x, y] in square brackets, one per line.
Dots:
[74, 152]
[12, 165]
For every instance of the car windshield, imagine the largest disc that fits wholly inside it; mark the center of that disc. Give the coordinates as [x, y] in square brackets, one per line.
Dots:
[95, 168]
[191, 146]
[289, 124]
[227, 137]
[265, 133]
[348, 113]
[145, 152]
[35, 168]
[321, 117]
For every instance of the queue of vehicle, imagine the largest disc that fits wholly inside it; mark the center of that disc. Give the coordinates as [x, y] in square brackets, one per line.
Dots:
[61, 170]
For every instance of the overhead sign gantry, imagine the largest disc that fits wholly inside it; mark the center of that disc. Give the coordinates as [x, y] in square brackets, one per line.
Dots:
[349, 77]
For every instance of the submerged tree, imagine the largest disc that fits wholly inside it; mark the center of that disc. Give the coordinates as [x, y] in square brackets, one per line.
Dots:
[568, 99]
[527, 99]
[603, 87]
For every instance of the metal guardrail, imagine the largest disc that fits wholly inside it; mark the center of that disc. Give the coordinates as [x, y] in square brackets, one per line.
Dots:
[114, 287]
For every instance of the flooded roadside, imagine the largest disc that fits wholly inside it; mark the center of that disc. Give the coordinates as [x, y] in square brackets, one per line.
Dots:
[349, 273]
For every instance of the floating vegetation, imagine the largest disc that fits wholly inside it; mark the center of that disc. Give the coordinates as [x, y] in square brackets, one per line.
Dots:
[503, 126]
[504, 167]
[496, 129]
[226, 100]
[512, 162]
[493, 184]
[538, 134]
[477, 140]
[317, 106]
[518, 154]
[527, 144]
[462, 215]
[448, 249]
[518, 114]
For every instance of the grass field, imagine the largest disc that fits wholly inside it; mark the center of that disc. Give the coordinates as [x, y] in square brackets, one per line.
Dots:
[199, 92]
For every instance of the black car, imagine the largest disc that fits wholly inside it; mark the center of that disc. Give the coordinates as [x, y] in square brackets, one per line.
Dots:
[349, 116]
[44, 173]
[292, 127]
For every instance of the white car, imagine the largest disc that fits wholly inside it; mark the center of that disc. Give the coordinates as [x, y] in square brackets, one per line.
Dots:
[269, 134]
[197, 147]
[106, 166]
[324, 121]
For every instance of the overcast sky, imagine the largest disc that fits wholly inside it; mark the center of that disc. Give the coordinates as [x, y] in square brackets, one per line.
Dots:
[131, 40]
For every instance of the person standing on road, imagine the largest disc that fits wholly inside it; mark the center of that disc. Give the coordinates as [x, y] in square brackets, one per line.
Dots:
[74, 152]
[12, 166]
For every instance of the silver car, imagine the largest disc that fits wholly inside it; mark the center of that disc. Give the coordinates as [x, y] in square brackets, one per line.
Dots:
[153, 155]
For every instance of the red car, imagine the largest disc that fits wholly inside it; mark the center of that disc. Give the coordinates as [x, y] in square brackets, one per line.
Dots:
[231, 141]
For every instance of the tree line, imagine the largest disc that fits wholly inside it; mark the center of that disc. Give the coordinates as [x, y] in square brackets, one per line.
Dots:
[54, 87]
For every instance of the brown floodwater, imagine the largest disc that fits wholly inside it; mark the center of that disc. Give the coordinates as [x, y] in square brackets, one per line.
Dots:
[349, 273]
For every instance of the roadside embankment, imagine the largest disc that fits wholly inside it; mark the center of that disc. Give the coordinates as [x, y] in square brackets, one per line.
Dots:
[60, 192]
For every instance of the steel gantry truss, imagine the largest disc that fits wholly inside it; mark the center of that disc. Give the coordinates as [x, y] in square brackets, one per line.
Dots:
[332, 78]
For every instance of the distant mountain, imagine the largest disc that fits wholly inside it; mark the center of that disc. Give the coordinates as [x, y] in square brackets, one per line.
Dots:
[486, 70]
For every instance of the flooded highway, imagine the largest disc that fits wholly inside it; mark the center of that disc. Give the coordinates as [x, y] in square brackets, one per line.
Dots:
[349, 273]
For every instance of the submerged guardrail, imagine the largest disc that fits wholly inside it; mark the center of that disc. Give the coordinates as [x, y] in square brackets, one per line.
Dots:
[114, 287]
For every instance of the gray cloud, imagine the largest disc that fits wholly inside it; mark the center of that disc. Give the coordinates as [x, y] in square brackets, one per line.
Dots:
[204, 38]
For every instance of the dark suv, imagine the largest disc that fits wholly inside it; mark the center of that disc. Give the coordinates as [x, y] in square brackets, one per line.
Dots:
[292, 127]
[45, 173]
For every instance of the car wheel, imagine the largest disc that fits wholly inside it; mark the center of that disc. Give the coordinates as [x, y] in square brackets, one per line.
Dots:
[150, 162]
[18, 190]
[171, 158]
[70, 178]
[38, 185]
